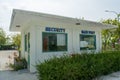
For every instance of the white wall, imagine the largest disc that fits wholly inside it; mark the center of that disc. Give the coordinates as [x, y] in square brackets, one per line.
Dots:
[46, 55]
[32, 49]
[73, 42]
[22, 45]
[32, 52]
[73, 37]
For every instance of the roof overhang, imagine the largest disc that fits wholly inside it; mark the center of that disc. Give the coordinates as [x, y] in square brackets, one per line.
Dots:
[18, 21]
[21, 19]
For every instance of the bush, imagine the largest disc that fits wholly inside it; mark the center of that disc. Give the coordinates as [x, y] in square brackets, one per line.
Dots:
[79, 66]
[8, 47]
[19, 63]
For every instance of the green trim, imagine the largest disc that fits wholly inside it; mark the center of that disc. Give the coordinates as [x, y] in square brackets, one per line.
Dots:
[25, 42]
[94, 41]
[88, 34]
[66, 38]
[66, 41]
[55, 32]
[28, 42]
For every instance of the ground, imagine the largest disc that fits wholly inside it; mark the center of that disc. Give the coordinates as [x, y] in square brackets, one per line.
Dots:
[17, 75]
[25, 75]
[6, 73]
[113, 76]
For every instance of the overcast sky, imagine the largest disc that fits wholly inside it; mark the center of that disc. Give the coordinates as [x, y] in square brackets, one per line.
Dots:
[93, 10]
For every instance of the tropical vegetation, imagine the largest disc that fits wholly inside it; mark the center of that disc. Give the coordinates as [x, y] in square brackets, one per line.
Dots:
[111, 37]
[2, 36]
[9, 41]
[79, 66]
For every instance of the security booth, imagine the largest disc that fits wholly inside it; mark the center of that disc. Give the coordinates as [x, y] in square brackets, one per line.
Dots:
[46, 35]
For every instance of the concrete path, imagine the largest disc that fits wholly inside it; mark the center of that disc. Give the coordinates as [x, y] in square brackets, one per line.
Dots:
[113, 76]
[17, 75]
[7, 57]
[25, 75]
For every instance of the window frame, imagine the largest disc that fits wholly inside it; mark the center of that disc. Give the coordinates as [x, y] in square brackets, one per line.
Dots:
[95, 44]
[66, 41]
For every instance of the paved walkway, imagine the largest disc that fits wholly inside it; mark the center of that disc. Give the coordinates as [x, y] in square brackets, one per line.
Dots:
[7, 57]
[25, 75]
[113, 76]
[17, 75]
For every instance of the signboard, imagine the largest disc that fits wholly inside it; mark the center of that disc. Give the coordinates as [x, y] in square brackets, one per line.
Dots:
[54, 29]
[87, 32]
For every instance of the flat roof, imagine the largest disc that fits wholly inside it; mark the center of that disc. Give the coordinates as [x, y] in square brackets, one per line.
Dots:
[22, 18]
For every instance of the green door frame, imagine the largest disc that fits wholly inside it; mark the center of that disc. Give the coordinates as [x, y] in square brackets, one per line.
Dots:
[29, 50]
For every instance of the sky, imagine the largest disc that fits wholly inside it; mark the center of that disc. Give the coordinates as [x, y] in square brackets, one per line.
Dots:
[93, 10]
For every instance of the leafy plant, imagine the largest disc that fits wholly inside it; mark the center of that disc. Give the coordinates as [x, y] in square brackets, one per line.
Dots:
[19, 63]
[79, 66]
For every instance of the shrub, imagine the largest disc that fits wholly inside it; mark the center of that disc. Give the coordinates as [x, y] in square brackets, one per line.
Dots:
[79, 66]
[8, 47]
[19, 63]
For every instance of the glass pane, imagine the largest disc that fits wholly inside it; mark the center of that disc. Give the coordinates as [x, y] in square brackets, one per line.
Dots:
[87, 42]
[45, 43]
[54, 42]
[61, 42]
[60, 39]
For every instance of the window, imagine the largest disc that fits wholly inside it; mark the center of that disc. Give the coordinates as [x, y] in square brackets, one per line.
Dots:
[87, 42]
[54, 42]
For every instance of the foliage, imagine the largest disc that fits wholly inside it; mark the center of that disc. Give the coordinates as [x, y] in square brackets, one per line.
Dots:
[110, 37]
[7, 47]
[19, 63]
[2, 37]
[5, 41]
[8, 40]
[79, 66]
[17, 40]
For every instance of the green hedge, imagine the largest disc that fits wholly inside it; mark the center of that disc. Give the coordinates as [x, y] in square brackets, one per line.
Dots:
[8, 47]
[79, 67]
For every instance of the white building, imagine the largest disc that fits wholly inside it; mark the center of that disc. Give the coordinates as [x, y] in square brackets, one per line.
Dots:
[46, 35]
